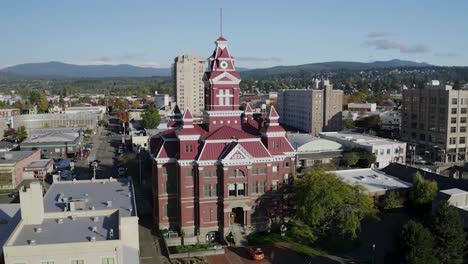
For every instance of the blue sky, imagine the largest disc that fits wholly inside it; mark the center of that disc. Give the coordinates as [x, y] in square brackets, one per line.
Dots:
[261, 33]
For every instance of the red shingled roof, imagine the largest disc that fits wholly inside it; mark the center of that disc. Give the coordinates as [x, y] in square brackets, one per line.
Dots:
[227, 132]
[187, 114]
[221, 38]
[212, 151]
[168, 150]
[272, 114]
[248, 109]
[256, 149]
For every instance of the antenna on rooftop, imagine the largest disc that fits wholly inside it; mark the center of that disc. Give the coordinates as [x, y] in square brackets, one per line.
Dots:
[221, 21]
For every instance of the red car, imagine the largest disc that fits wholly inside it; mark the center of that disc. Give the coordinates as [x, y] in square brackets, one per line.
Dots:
[256, 254]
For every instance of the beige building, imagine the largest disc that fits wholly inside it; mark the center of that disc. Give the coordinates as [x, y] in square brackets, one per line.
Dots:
[435, 120]
[189, 91]
[75, 223]
[311, 110]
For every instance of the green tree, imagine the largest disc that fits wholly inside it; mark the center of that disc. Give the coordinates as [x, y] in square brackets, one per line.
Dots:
[326, 204]
[392, 200]
[21, 133]
[151, 118]
[351, 158]
[43, 104]
[348, 122]
[446, 226]
[423, 191]
[417, 244]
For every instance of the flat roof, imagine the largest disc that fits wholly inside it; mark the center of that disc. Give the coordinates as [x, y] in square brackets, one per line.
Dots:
[97, 193]
[14, 156]
[10, 215]
[453, 191]
[70, 230]
[42, 163]
[52, 135]
[357, 138]
[372, 180]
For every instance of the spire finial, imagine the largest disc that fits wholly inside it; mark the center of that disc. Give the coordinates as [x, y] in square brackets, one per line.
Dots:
[221, 21]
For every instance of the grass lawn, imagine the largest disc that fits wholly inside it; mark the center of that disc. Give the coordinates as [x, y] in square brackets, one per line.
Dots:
[6, 190]
[265, 239]
[306, 250]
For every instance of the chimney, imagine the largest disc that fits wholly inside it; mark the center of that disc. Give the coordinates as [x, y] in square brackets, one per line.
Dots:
[32, 204]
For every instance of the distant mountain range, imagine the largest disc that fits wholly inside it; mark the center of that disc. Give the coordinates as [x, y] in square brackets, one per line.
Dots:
[335, 65]
[64, 70]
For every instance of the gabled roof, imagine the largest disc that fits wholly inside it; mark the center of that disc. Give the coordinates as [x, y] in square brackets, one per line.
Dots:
[212, 151]
[187, 114]
[221, 38]
[248, 109]
[227, 132]
[169, 149]
[272, 114]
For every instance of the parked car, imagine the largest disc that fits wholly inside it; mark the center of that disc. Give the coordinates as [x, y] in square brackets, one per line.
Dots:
[122, 171]
[256, 254]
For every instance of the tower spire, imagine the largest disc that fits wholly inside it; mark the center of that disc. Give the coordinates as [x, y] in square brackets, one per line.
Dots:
[221, 21]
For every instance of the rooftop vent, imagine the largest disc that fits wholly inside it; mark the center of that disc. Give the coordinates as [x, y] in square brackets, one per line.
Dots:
[129, 195]
[73, 217]
[94, 229]
[109, 204]
[92, 239]
[38, 230]
[92, 208]
[95, 219]
[32, 242]
[60, 221]
[111, 233]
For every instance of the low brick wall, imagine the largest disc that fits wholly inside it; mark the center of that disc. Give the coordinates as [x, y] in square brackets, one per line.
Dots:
[218, 251]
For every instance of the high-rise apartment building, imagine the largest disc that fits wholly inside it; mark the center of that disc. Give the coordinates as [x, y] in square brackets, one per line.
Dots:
[435, 121]
[312, 110]
[189, 87]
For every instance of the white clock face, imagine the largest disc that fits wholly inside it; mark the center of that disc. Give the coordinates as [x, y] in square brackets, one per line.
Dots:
[224, 64]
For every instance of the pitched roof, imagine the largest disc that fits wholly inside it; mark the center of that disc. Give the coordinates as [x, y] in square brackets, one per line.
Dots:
[212, 151]
[248, 109]
[187, 114]
[221, 38]
[227, 132]
[272, 114]
[169, 149]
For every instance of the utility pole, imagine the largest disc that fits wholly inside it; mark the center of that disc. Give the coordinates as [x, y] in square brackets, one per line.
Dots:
[139, 161]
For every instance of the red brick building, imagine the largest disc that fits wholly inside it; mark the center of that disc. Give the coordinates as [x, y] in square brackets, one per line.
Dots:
[224, 171]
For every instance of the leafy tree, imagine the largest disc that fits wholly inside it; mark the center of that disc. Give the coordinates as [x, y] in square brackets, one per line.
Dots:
[301, 232]
[417, 244]
[392, 200]
[326, 204]
[348, 122]
[351, 158]
[9, 133]
[446, 226]
[151, 118]
[43, 103]
[21, 133]
[423, 191]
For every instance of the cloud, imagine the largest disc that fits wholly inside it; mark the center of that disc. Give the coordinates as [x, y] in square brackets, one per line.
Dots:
[446, 54]
[377, 34]
[259, 59]
[102, 59]
[386, 44]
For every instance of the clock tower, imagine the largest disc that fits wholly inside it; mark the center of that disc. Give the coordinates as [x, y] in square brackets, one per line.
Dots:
[222, 89]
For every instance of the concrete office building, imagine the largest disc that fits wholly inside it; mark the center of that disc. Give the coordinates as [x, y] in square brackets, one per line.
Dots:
[311, 110]
[386, 150]
[189, 87]
[76, 222]
[435, 120]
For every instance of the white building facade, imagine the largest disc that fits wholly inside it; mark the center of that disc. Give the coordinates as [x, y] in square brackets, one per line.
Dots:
[386, 151]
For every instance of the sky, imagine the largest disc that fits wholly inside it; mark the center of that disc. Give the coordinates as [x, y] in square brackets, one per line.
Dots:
[261, 33]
